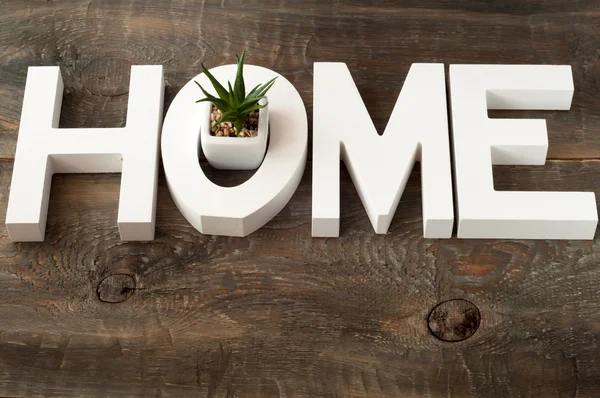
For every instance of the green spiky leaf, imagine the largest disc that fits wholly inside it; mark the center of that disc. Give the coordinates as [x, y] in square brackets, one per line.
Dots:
[232, 98]
[227, 117]
[221, 91]
[240, 87]
[251, 108]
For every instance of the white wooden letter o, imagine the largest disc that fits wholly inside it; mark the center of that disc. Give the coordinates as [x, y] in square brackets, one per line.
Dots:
[240, 210]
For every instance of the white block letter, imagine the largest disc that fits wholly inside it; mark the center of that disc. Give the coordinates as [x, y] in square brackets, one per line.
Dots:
[480, 142]
[240, 210]
[43, 149]
[380, 165]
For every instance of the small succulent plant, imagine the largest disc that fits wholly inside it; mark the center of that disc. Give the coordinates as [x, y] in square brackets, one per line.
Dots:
[234, 104]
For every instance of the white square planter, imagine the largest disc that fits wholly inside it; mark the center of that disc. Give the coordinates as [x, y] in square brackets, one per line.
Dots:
[234, 153]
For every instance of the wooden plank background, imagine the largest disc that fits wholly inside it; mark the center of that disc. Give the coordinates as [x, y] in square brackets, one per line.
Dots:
[279, 313]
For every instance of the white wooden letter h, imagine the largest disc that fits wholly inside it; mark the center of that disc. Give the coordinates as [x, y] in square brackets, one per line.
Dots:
[43, 149]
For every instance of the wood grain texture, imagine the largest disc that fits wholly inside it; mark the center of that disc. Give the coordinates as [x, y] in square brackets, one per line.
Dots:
[279, 313]
[282, 314]
[95, 42]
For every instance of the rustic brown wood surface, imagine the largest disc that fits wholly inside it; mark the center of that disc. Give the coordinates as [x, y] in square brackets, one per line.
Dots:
[279, 313]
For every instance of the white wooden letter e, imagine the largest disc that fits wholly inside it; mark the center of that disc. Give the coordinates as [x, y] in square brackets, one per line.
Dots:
[480, 142]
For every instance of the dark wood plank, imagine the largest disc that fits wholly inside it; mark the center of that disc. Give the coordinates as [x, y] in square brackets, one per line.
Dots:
[96, 41]
[279, 313]
[282, 314]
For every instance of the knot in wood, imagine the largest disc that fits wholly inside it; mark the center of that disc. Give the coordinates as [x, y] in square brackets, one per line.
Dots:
[116, 288]
[108, 77]
[454, 320]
